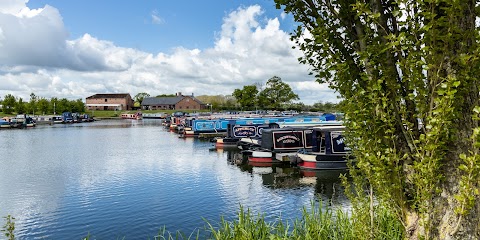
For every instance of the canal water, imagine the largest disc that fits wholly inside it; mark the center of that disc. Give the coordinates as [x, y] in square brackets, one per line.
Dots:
[130, 178]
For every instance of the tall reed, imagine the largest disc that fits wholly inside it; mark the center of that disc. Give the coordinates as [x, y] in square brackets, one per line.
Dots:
[317, 223]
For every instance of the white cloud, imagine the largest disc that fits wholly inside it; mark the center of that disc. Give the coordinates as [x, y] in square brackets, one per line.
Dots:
[12, 6]
[156, 19]
[37, 56]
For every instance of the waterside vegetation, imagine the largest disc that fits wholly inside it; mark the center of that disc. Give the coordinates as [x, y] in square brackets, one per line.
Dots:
[317, 222]
[407, 71]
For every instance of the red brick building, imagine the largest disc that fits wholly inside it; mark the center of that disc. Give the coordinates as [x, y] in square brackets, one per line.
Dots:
[110, 101]
[179, 102]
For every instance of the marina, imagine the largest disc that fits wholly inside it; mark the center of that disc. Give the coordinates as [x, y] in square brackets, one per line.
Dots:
[130, 178]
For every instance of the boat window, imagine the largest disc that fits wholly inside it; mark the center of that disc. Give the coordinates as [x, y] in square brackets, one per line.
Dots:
[321, 141]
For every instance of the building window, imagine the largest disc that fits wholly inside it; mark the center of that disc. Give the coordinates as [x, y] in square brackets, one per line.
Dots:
[106, 100]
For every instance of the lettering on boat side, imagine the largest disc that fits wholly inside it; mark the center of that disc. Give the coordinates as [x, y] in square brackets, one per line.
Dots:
[288, 139]
[244, 131]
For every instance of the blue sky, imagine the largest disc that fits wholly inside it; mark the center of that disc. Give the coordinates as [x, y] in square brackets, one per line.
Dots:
[151, 25]
[78, 48]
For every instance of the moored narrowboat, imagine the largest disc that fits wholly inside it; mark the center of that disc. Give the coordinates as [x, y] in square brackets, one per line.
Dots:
[137, 116]
[329, 151]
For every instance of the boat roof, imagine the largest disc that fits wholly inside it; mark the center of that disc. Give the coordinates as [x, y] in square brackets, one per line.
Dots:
[329, 128]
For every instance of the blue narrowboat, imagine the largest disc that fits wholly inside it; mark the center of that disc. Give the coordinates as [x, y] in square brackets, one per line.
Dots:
[67, 117]
[329, 150]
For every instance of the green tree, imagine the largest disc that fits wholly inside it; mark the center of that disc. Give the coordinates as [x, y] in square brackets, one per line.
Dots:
[299, 107]
[219, 102]
[408, 71]
[78, 106]
[20, 107]
[140, 96]
[325, 107]
[63, 105]
[246, 97]
[32, 104]
[276, 94]
[43, 105]
[9, 103]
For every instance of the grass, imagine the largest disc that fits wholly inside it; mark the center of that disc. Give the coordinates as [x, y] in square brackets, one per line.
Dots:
[315, 224]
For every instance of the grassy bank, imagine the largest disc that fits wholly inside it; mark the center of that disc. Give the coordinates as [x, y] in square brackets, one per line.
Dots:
[317, 223]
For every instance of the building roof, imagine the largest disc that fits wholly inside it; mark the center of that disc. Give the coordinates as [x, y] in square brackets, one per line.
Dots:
[110, 95]
[197, 100]
[167, 100]
[161, 100]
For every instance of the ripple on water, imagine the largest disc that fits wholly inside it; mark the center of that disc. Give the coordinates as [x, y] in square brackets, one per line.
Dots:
[130, 178]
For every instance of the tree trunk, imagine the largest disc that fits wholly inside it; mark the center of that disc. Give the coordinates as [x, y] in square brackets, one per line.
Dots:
[452, 225]
[446, 221]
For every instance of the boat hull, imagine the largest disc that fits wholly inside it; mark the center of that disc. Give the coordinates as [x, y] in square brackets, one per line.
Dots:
[321, 162]
[226, 142]
[259, 156]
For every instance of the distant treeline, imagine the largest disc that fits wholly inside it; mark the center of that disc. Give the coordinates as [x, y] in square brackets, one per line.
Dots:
[40, 105]
[228, 102]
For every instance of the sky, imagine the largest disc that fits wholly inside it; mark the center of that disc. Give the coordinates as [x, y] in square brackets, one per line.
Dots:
[77, 48]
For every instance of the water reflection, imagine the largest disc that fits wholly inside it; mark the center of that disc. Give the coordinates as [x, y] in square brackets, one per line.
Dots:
[327, 183]
[129, 178]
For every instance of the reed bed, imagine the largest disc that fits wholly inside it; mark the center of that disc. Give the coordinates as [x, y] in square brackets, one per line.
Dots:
[316, 223]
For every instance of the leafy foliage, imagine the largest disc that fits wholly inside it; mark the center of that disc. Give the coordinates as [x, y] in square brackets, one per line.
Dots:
[32, 104]
[246, 97]
[276, 94]
[9, 227]
[219, 102]
[40, 105]
[140, 96]
[20, 107]
[43, 105]
[9, 103]
[407, 71]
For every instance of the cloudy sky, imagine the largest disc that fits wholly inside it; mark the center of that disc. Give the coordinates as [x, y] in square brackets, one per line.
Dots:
[76, 48]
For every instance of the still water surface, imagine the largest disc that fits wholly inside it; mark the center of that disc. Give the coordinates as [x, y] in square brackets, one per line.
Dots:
[127, 178]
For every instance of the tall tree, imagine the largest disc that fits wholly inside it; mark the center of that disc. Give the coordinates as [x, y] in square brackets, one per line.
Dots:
[9, 103]
[276, 94]
[78, 106]
[20, 107]
[43, 105]
[63, 105]
[325, 107]
[408, 71]
[246, 97]
[32, 104]
[140, 96]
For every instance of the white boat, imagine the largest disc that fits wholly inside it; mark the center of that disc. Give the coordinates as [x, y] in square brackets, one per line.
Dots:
[137, 116]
